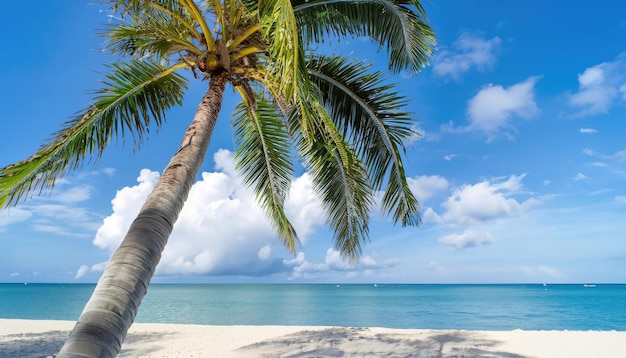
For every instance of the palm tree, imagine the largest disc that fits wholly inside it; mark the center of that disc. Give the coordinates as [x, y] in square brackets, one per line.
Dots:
[344, 123]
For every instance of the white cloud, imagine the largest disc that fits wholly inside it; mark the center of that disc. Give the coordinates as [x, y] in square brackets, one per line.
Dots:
[621, 199]
[82, 270]
[425, 186]
[468, 51]
[588, 131]
[58, 212]
[589, 152]
[491, 109]
[265, 253]
[484, 201]
[599, 86]
[304, 207]
[13, 215]
[334, 262]
[221, 229]
[126, 205]
[14, 274]
[109, 171]
[469, 238]
[74, 194]
[580, 176]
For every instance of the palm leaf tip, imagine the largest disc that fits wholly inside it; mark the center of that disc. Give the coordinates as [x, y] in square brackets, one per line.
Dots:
[263, 158]
[399, 26]
[134, 99]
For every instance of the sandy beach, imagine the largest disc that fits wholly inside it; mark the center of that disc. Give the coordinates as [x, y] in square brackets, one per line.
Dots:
[29, 338]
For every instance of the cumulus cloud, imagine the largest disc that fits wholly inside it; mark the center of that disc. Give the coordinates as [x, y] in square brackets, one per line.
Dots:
[484, 201]
[467, 51]
[426, 186]
[84, 269]
[334, 262]
[221, 229]
[491, 109]
[470, 207]
[469, 238]
[600, 87]
[304, 207]
[126, 205]
[588, 131]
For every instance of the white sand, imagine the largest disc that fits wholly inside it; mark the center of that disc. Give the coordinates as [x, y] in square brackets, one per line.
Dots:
[26, 338]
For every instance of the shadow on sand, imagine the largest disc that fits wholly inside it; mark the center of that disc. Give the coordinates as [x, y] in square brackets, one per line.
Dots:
[360, 342]
[331, 342]
[48, 344]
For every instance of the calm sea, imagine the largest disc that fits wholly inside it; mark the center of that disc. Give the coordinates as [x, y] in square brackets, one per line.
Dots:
[474, 307]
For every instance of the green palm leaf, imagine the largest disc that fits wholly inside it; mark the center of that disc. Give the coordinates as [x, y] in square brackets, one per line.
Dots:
[159, 36]
[398, 25]
[339, 179]
[371, 116]
[280, 30]
[264, 161]
[135, 97]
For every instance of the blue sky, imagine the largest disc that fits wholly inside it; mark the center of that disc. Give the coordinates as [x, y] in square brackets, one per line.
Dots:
[520, 173]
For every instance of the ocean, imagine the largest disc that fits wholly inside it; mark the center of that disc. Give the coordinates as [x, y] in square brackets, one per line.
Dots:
[467, 307]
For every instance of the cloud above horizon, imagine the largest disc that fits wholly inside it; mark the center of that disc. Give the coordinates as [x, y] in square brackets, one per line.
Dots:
[492, 108]
[599, 88]
[58, 212]
[334, 262]
[469, 238]
[222, 231]
[469, 207]
[467, 51]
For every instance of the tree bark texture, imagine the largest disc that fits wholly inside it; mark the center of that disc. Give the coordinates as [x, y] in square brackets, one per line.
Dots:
[109, 313]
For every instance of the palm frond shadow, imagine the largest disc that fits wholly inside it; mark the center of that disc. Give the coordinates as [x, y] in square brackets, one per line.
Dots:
[47, 344]
[358, 342]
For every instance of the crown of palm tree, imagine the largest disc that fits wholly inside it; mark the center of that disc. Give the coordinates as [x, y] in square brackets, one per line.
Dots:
[348, 127]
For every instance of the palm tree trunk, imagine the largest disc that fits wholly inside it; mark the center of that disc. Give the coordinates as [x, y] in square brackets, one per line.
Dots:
[104, 322]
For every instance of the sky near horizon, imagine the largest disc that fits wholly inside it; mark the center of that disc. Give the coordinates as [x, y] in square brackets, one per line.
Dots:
[521, 171]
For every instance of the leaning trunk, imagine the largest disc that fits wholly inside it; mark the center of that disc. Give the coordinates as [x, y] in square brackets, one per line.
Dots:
[104, 322]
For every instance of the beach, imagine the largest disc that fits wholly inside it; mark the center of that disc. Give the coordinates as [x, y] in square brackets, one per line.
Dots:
[43, 338]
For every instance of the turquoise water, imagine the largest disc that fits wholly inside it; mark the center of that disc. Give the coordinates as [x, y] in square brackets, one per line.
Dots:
[475, 307]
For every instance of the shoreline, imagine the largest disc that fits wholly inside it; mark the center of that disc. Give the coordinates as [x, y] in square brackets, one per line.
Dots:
[43, 338]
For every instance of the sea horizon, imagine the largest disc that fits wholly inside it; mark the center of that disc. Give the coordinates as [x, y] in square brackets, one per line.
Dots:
[498, 307]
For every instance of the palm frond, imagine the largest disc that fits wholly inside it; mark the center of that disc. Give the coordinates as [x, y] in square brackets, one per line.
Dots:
[155, 37]
[370, 114]
[400, 26]
[280, 31]
[341, 182]
[135, 98]
[196, 14]
[263, 158]
[140, 8]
